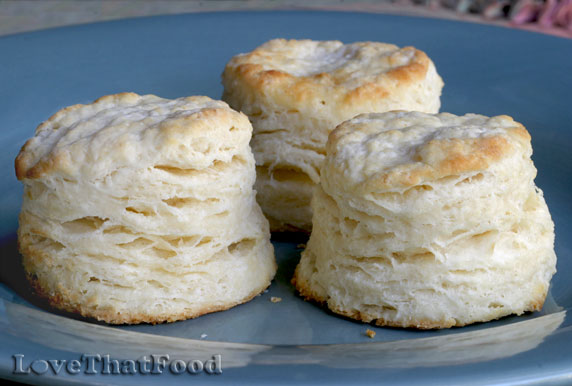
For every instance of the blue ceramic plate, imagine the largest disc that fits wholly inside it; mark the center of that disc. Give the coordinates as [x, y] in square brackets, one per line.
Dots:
[487, 70]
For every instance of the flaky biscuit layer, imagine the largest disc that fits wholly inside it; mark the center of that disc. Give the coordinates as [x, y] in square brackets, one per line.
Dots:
[428, 221]
[141, 209]
[295, 92]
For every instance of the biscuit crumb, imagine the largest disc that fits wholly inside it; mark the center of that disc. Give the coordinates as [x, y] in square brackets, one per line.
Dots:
[301, 246]
[275, 299]
[370, 333]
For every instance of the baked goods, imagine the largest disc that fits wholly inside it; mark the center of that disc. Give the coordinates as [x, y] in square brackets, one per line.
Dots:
[296, 91]
[428, 221]
[141, 209]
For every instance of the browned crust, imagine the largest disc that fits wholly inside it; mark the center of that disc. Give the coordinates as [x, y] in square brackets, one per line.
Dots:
[24, 170]
[258, 78]
[300, 90]
[380, 88]
[23, 160]
[424, 324]
[29, 166]
[63, 302]
[446, 158]
[440, 158]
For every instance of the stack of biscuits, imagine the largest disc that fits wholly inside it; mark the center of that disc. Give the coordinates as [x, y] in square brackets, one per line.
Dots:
[141, 209]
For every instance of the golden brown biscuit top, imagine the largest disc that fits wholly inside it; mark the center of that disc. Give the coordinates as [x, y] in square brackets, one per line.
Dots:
[129, 130]
[402, 149]
[298, 72]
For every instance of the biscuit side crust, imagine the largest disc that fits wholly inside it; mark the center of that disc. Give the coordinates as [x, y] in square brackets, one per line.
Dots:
[63, 302]
[306, 292]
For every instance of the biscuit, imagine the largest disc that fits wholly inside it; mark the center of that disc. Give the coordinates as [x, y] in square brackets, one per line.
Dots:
[295, 92]
[141, 209]
[428, 221]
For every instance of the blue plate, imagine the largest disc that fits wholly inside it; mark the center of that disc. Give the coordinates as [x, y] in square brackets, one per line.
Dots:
[487, 70]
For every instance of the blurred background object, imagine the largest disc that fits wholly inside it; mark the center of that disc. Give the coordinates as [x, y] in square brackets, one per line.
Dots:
[547, 16]
[547, 13]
